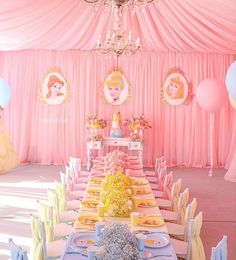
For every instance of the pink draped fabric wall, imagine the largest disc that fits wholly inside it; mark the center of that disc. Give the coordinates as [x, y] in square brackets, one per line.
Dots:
[50, 134]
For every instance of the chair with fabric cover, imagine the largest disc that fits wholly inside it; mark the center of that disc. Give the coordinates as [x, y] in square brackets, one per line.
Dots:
[52, 225]
[65, 204]
[220, 252]
[192, 249]
[166, 193]
[67, 216]
[157, 183]
[68, 171]
[76, 164]
[181, 231]
[71, 192]
[78, 179]
[158, 161]
[171, 204]
[17, 253]
[152, 176]
[41, 248]
[172, 216]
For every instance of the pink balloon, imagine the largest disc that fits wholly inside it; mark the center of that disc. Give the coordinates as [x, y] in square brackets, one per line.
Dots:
[211, 94]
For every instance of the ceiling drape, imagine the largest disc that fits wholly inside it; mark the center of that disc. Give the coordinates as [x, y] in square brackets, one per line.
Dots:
[174, 25]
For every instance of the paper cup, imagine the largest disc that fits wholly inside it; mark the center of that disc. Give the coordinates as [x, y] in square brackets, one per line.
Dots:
[92, 250]
[141, 238]
[134, 216]
[99, 226]
[101, 209]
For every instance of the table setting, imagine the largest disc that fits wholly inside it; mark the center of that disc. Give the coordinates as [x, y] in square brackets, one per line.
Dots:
[119, 218]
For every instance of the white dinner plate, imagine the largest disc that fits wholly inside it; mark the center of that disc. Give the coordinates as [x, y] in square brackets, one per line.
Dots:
[84, 240]
[157, 241]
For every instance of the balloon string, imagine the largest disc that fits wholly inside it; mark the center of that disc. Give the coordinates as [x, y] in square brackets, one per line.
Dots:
[211, 143]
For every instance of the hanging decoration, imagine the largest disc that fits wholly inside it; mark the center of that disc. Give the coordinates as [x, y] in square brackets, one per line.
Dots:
[54, 89]
[176, 89]
[116, 88]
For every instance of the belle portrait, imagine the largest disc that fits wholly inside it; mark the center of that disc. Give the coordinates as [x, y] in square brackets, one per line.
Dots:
[116, 88]
[54, 89]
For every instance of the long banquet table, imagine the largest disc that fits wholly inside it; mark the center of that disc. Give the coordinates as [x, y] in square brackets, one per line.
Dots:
[164, 253]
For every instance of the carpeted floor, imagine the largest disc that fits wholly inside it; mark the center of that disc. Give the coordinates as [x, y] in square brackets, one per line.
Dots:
[20, 188]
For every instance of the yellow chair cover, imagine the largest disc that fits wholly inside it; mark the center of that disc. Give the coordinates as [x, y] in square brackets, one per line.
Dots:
[197, 249]
[177, 189]
[37, 247]
[53, 200]
[183, 206]
[8, 157]
[192, 209]
[44, 212]
[61, 193]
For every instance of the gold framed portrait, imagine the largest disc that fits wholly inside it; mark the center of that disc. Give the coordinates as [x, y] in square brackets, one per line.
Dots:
[175, 89]
[54, 89]
[116, 88]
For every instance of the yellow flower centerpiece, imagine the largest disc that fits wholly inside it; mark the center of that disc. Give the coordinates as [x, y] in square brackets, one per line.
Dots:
[116, 195]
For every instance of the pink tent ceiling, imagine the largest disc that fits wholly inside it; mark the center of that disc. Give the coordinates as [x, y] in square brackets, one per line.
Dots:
[175, 25]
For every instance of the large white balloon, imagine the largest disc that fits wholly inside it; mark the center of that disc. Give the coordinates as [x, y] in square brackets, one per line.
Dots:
[231, 80]
[5, 93]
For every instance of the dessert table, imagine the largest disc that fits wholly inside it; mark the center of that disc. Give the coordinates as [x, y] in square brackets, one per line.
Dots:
[153, 232]
[113, 142]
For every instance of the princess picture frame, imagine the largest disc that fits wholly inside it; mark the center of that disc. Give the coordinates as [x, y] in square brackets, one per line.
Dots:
[176, 89]
[116, 88]
[54, 89]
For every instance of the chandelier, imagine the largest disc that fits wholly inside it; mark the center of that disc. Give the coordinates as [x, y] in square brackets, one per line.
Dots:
[117, 42]
[119, 3]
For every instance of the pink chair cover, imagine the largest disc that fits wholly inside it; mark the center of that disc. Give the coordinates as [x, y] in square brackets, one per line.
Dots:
[169, 186]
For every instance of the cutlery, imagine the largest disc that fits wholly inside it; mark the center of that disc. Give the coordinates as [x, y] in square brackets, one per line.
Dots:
[75, 252]
[158, 255]
[85, 228]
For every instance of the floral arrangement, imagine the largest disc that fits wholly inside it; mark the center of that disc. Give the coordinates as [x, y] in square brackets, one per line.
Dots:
[143, 122]
[119, 181]
[117, 203]
[116, 195]
[135, 125]
[92, 122]
[117, 242]
[116, 162]
[96, 138]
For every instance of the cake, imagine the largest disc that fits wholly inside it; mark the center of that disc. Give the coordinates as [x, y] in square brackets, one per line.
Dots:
[116, 130]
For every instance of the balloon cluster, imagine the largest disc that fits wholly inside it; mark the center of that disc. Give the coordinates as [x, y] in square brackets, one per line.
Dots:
[231, 84]
[5, 93]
